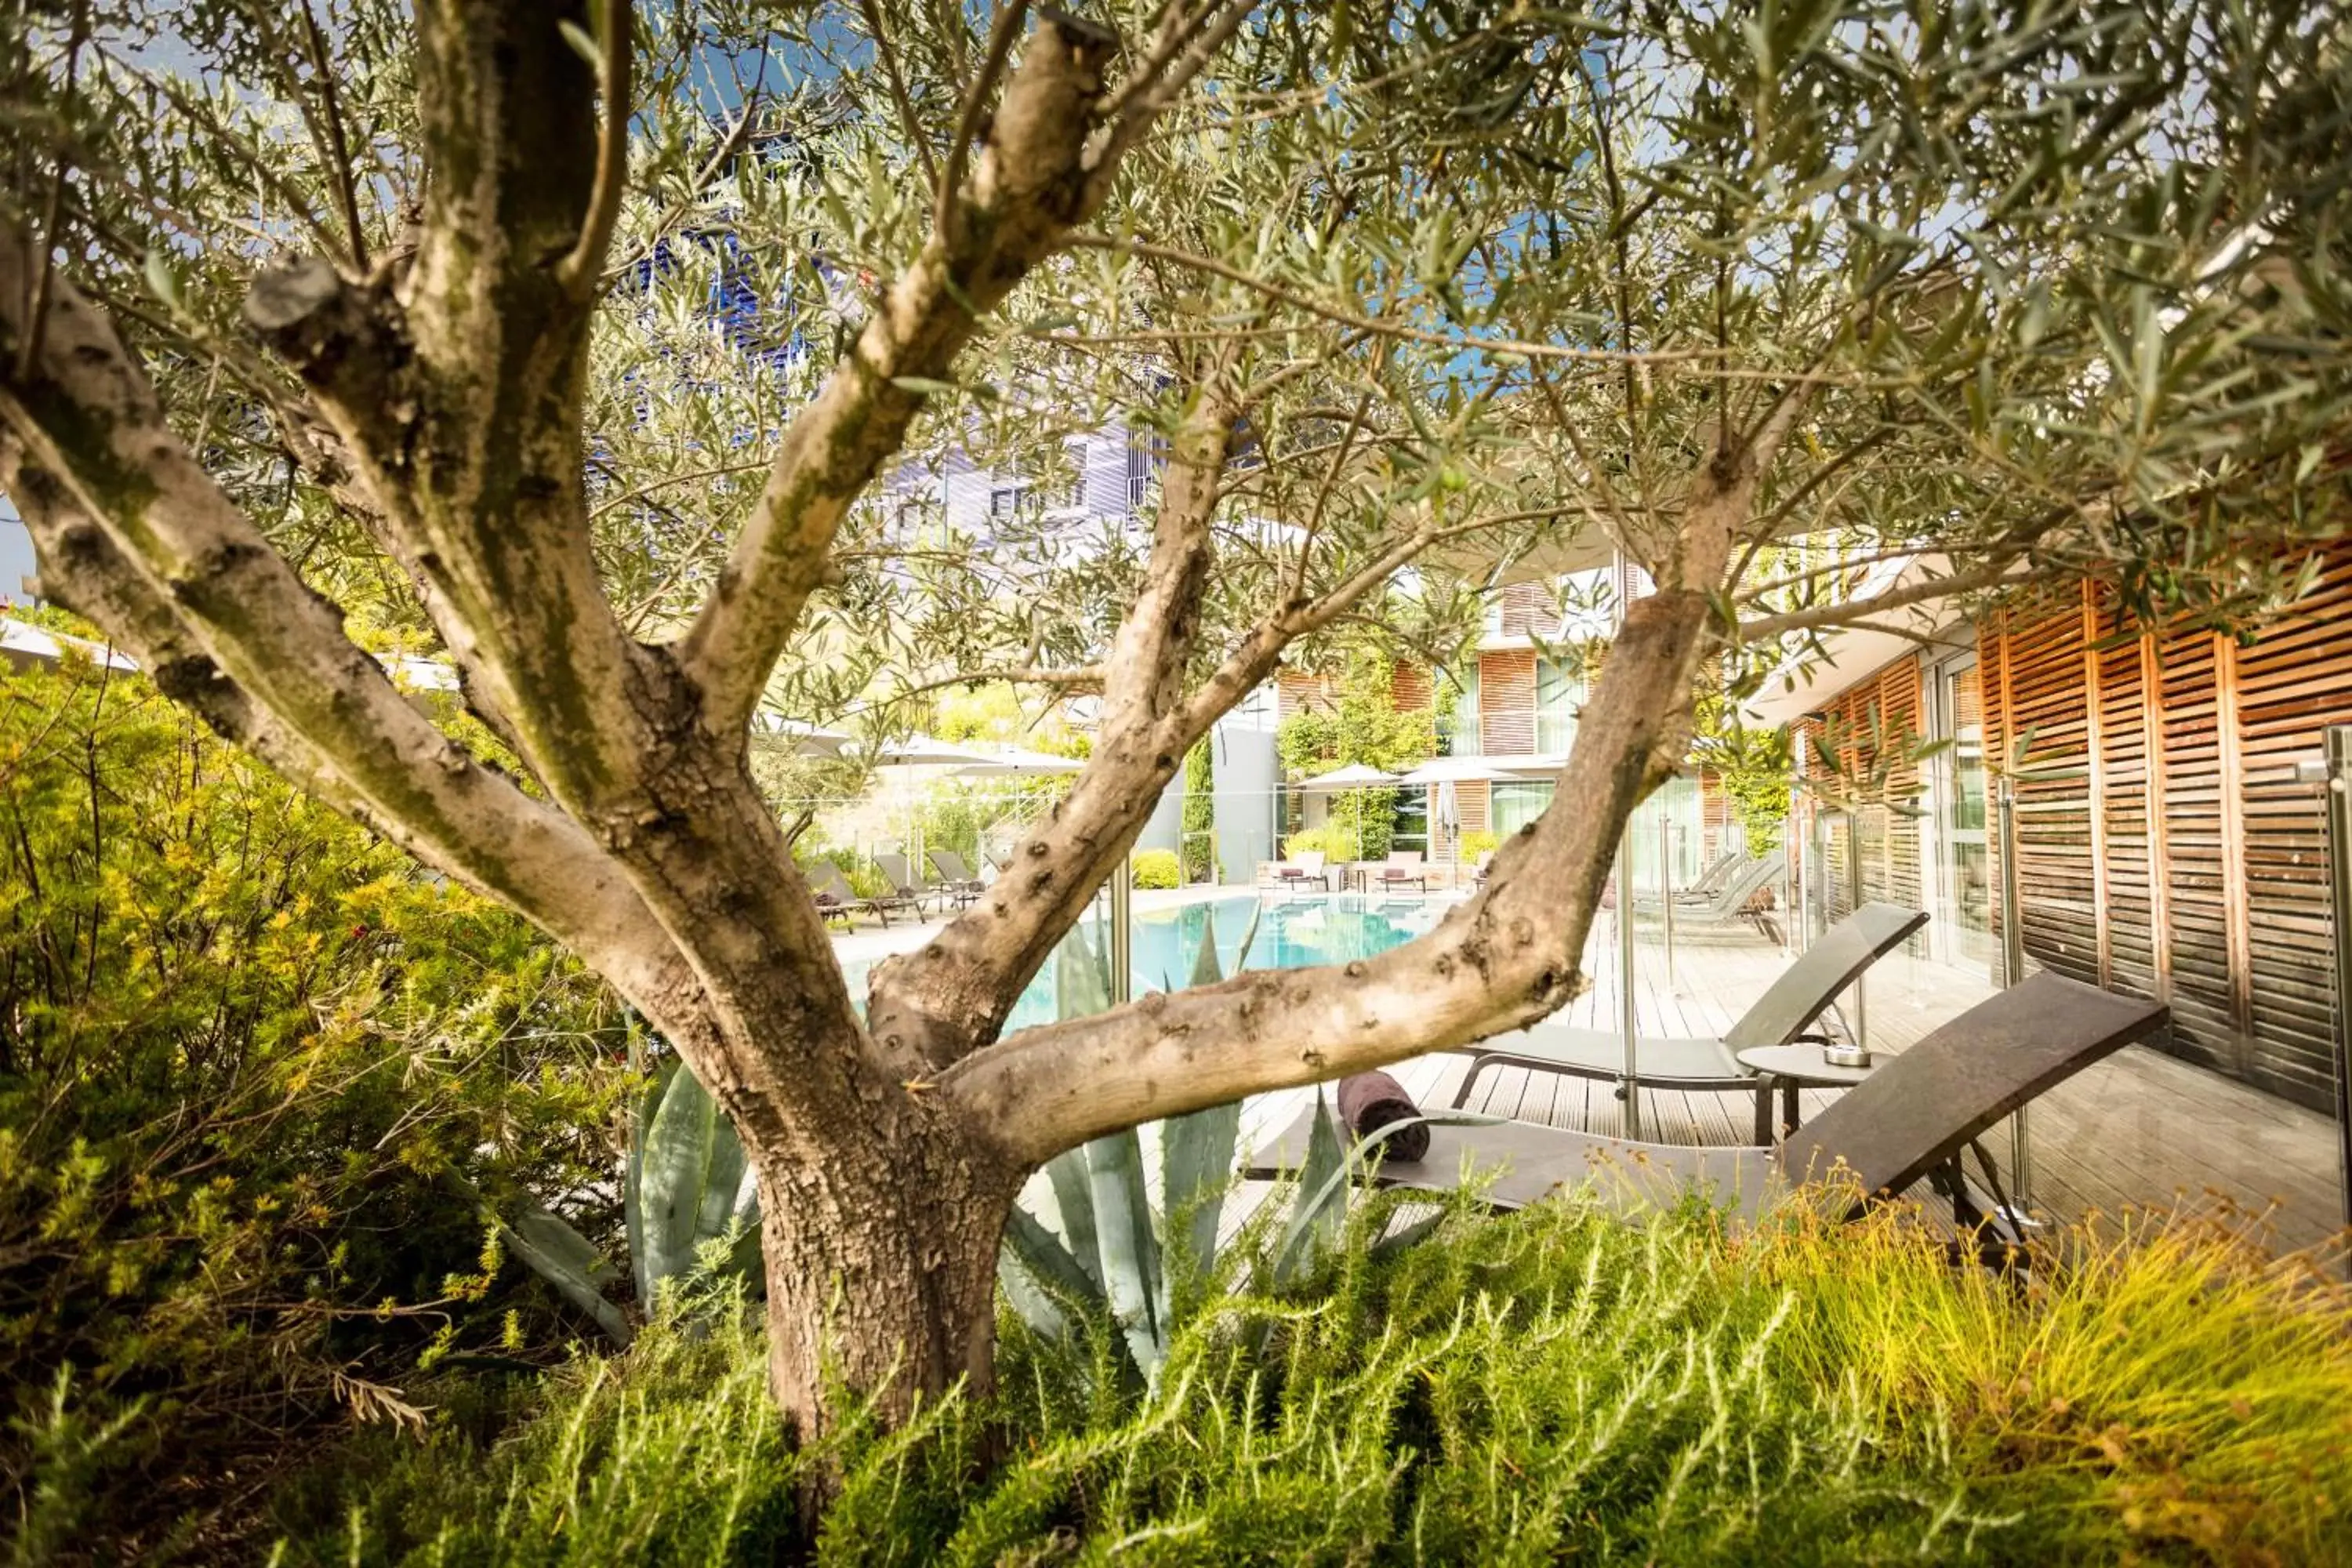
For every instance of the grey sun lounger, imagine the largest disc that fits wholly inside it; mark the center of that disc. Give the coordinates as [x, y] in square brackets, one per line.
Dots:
[1702, 889]
[905, 886]
[1790, 1006]
[834, 896]
[956, 879]
[1906, 1121]
[1728, 903]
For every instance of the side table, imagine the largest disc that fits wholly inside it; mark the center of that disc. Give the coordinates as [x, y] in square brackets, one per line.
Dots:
[1791, 1068]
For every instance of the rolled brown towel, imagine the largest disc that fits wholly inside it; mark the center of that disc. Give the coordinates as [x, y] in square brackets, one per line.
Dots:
[1369, 1102]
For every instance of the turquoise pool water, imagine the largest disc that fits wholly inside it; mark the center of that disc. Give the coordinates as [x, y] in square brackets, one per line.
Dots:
[1295, 931]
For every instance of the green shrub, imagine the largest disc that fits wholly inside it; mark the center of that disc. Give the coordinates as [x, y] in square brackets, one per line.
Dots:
[253, 1065]
[1155, 869]
[1478, 842]
[1314, 840]
[1200, 812]
[1548, 1386]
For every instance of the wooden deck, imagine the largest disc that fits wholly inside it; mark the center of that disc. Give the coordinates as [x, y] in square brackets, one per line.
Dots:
[2141, 1131]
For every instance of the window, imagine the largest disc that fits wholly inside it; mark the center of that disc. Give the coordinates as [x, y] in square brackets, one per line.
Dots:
[1004, 499]
[1516, 804]
[1560, 691]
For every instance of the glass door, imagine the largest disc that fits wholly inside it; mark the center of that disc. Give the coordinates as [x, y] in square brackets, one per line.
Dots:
[1963, 923]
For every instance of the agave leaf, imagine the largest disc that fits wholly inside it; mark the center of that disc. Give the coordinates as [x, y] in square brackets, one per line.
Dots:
[1081, 977]
[1321, 1205]
[554, 1251]
[725, 1172]
[1205, 971]
[1196, 1158]
[555, 1238]
[1249, 937]
[1074, 1198]
[631, 1198]
[1046, 1261]
[1131, 1268]
[676, 1157]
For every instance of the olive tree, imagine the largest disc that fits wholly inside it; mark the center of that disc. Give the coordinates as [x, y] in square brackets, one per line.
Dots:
[437, 314]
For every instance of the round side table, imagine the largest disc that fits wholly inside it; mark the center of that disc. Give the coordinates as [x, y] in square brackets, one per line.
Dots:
[1791, 1068]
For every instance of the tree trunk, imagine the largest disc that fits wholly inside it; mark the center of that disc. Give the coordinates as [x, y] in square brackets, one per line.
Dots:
[881, 1248]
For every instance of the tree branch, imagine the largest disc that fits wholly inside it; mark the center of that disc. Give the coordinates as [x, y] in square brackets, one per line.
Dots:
[578, 270]
[1026, 191]
[1997, 575]
[1506, 957]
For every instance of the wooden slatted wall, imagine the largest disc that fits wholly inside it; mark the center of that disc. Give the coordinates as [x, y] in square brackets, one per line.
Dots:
[2182, 859]
[1873, 727]
[1507, 701]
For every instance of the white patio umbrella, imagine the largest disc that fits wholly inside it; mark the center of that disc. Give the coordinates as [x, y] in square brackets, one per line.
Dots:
[1015, 763]
[25, 645]
[1355, 775]
[1464, 769]
[774, 731]
[922, 752]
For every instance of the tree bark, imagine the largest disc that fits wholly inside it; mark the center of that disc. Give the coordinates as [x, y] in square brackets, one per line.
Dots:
[881, 1248]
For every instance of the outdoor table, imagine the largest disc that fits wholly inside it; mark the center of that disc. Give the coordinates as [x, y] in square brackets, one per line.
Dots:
[1791, 1068]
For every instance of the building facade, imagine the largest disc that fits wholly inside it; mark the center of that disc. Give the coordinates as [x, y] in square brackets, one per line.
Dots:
[2168, 829]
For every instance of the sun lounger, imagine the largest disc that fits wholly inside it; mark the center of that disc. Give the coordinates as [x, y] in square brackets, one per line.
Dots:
[1906, 1121]
[1790, 1006]
[905, 886]
[1401, 867]
[956, 879]
[835, 897]
[1309, 867]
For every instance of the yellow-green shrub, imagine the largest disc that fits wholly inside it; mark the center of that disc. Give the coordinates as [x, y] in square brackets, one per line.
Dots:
[1155, 869]
[251, 1061]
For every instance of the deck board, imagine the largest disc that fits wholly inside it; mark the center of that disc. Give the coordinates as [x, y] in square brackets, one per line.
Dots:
[2142, 1130]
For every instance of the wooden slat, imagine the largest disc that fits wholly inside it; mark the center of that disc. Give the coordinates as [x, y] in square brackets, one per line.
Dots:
[2188, 862]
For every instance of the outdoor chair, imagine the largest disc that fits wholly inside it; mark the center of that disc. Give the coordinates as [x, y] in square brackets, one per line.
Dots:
[956, 879]
[1788, 1007]
[1482, 868]
[835, 896]
[1403, 866]
[1704, 890]
[905, 886]
[1909, 1119]
[1739, 901]
[1308, 867]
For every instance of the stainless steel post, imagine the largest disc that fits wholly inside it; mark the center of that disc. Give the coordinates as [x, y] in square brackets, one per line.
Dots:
[2012, 969]
[1632, 1085]
[2339, 882]
[1853, 902]
[1666, 887]
[1122, 932]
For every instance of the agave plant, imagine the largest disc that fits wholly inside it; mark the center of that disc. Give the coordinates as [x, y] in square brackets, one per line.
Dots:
[688, 1191]
[1113, 1254]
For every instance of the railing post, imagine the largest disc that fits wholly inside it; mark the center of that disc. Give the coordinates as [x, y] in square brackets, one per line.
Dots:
[1853, 902]
[2338, 802]
[1122, 932]
[2012, 969]
[1666, 887]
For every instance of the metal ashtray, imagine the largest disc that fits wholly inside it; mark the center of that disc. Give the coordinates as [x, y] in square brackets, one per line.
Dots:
[1845, 1055]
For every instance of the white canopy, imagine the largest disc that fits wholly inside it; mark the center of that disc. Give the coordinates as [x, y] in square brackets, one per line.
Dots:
[1355, 775]
[1464, 769]
[25, 645]
[922, 752]
[1013, 762]
[774, 730]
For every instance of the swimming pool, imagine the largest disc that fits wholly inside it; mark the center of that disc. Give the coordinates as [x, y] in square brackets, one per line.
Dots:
[1296, 932]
